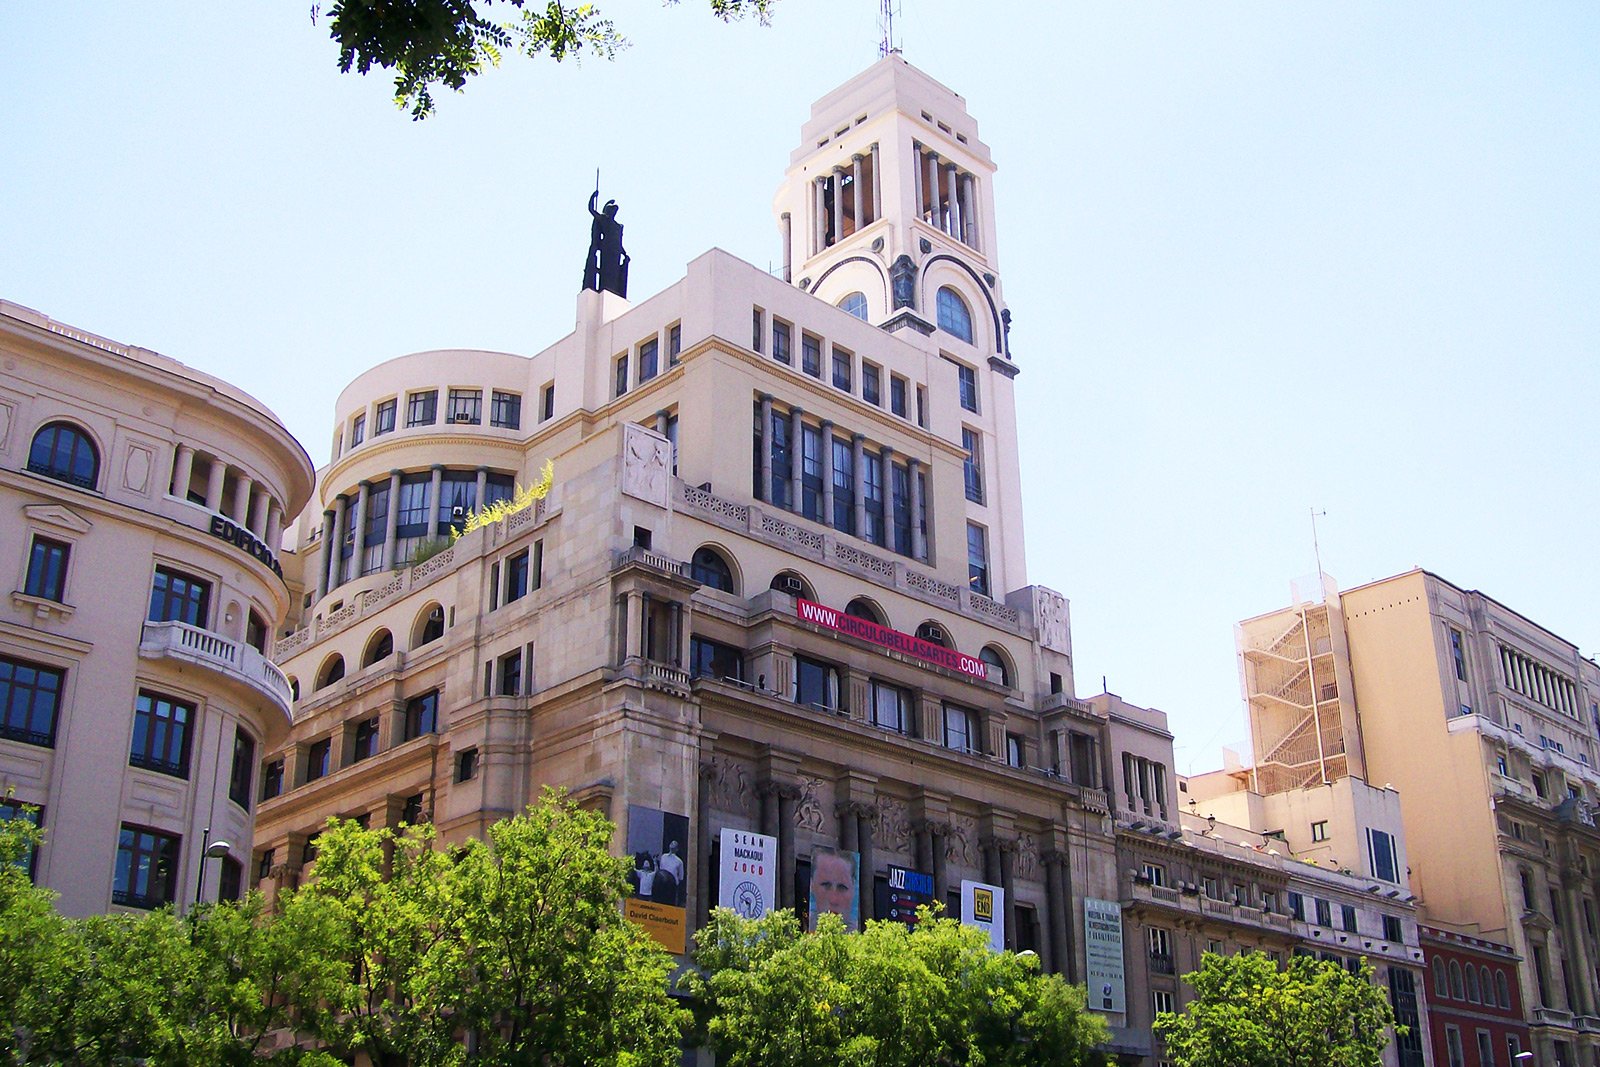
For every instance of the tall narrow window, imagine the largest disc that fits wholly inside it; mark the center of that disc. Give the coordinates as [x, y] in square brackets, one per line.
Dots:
[511, 674]
[146, 873]
[844, 487]
[870, 384]
[505, 410]
[674, 343]
[841, 369]
[755, 329]
[31, 814]
[319, 759]
[621, 375]
[977, 559]
[179, 597]
[161, 734]
[782, 473]
[953, 314]
[422, 715]
[517, 576]
[973, 467]
[376, 528]
[422, 408]
[242, 775]
[891, 707]
[272, 779]
[1458, 654]
[30, 700]
[649, 360]
[967, 379]
[358, 429]
[1385, 862]
[872, 494]
[811, 472]
[897, 395]
[365, 742]
[960, 728]
[547, 402]
[47, 570]
[900, 490]
[383, 417]
[780, 342]
[811, 354]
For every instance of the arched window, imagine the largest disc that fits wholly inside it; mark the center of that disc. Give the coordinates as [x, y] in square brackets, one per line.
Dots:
[954, 317]
[933, 633]
[999, 673]
[332, 670]
[381, 647]
[1441, 986]
[429, 626]
[862, 608]
[1458, 989]
[1472, 984]
[855, 304]
[791, 583]
[64, 452]
[1502, 989]
[1488, 986]
[708, 567]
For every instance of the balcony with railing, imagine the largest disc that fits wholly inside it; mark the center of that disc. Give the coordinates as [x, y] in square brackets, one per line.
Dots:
[234, 660]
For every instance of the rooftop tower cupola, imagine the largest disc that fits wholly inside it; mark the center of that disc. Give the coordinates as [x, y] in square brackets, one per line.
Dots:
[889, 182]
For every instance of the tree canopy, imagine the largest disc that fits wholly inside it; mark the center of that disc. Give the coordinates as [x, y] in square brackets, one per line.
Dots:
[933, 995]
[1248, 1012]
[432, 43]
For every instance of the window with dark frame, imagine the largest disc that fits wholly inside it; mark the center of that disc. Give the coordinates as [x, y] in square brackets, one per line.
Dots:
[179, 597]
[649, 360]
[65, 453]
[319, 759]
[967, 379]
[505, 410]
[271, 779]
[972, 466]
[383, 417]
[780, 341]
[517, 576]
[422, 715]
[713, 659]
[977, 559]
[960, 728]
[870, 383]
[621, 375]
[146, 872]
[511, 674]
[411, 813]
[844, 487]
[364, 744]
[897, 395]
[841, 368]
[422, 408]
[47, 569]
[466, 406]
[358, 429]
[467, 765]
[547, 402]
[241, 777]
[891, 707]
[674, 343]
[816, 683]
[162, 731]
[33, 814]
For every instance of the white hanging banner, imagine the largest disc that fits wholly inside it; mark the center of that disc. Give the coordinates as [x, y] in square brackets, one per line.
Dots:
[984, 906]
[748, 881]
[1102, 955]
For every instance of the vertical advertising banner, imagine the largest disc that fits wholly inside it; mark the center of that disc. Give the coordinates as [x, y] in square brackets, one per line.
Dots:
[658, 887]
[902, 893]
[747, 881]
[984, 906]
[834, 878]
[1102, 955]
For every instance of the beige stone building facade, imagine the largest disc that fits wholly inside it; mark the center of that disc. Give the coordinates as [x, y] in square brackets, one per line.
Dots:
[141, 498]
[778, 587]
[1485, 723]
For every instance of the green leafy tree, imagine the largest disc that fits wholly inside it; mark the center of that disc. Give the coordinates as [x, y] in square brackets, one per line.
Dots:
[1248, 1012]
[933, 995]
[35, 945]
[430, 43]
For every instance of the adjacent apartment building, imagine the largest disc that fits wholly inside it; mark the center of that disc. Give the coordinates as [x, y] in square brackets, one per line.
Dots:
[778, 587]
[142, 501]
[1484, 724]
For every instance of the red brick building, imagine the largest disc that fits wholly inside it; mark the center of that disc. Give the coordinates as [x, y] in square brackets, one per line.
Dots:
[1475, 1008]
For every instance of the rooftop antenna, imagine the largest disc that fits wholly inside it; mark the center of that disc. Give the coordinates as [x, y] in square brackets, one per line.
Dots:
[887, 45]
[1316, 549]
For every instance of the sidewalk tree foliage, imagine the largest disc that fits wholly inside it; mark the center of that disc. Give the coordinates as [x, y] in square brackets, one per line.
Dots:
[508, 951]
[432, 43]
[1248, 1012]
[933, 995]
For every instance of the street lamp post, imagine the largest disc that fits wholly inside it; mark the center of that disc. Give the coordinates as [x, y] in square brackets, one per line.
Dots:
[209, 849]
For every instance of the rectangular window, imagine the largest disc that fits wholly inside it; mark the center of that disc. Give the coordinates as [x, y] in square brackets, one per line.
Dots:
[467, 765]
[1385, 863]
[871, 386]
[161, 733]
[230, 879]
[811, 354]
[872, 495]
[547, 402]
[900, 510]
[47, 570]
[1297, 906]
[358, 430]
[960, 728]
[147, 868]
[422, 408]
[1153, 873]
[649, 360]
[968, 380]
[973, 466]
[891, 707]
[242, 775]
[897, 395]
[505, 410]
[1083, 751]
[411, 813]
[922, 407]
[466, 406]
[781, 342]
[179, 597]
[383, 417]
[272, 779]
[1319, 830]
[977, 559]
[816, 683]
[1452, 1044]
[1485, 1049]
[511, 674]
[844, 487]
[779, 492]
[1324, 913]
[841, 368]
[422, 715]
[1393, 929]
[1161, 1001]
[365, 744]
[319, 759]
[811, 472]
[1015, 755]
[1347, 917]
[755, 329]
[713, 659]
[674, 343]
[517, 576]
[15, 809]
[1458, 654]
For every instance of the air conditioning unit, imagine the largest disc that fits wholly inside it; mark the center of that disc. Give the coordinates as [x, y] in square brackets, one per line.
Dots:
[462, 416]
[458, 512]
[934, 634]
[793, 585]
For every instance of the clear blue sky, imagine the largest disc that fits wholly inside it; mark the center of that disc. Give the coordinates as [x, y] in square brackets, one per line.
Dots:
[1262, 257]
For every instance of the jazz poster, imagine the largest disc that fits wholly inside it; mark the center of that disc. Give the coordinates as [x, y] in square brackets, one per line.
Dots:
[747, 879]
[835, 881]
[658, 884]
[984, 906]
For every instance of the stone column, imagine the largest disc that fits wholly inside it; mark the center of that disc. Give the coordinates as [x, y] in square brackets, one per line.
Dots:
[788, 799]
[941, 876]
[358, 529]
[819, 233]
[182, 471]
[1573, 946]
[919, 539]
[633, 627]
[969, 221]
[786, 225]
[855, 189]
[483, 488]
[797, 460]
[661, 422]
[838, 204]
[886, 474]
[859, 445]
[391, 522]
[916, 186]
[937, 216]
[256, 512]
[1007, 850]
[243, 486]
[877, 185]
[273, 532]
[1058, 899]
[335, 564]
[327, 546]
[849, 840]
[827, 473]
[705, 896]
[954, 228]
[864, 885]
[219, 471]
[434, 488]
[766, 449]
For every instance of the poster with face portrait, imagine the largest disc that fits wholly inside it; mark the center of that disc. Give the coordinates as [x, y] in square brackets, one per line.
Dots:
[835, 876]
[658, 884]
